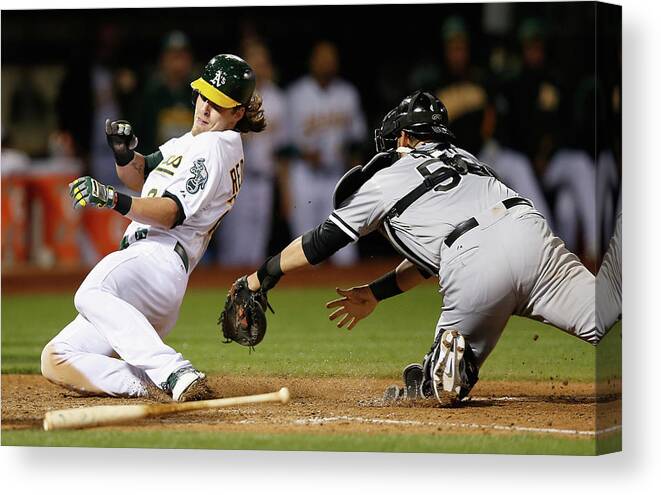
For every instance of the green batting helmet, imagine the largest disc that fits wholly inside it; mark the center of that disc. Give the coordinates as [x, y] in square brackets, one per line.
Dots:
[227, 80]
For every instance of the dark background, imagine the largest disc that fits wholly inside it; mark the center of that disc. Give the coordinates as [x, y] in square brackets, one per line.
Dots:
[379, 46]
[373, 40]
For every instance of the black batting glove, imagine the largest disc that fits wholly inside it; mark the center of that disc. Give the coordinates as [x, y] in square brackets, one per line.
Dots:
[121, 140]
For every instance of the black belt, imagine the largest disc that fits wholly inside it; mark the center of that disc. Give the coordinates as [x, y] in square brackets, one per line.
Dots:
[179, 249]
[142, 234]
[471, 223]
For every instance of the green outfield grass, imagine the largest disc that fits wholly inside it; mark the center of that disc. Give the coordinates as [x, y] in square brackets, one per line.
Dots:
[302, 342]
[477, 444]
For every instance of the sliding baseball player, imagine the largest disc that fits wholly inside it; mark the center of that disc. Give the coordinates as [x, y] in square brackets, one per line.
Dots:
[130, 300]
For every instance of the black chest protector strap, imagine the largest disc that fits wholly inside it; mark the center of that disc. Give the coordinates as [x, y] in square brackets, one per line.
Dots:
[443, 179]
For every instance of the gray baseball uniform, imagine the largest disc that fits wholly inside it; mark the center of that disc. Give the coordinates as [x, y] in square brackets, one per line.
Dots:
[508, 263]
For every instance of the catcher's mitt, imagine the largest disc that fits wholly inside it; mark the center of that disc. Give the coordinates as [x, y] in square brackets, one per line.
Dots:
[243, 318]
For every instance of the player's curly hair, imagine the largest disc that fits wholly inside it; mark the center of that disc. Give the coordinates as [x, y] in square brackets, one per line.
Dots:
[253, 120]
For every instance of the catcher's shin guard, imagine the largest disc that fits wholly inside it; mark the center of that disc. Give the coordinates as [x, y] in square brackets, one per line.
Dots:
[449, 368]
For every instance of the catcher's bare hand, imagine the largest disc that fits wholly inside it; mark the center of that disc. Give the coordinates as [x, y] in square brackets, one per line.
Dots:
[354, 305]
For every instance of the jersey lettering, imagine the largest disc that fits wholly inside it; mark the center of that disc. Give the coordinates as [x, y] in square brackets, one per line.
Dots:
[237, 180]
[451, 166]
[449, 178]
[169, 166]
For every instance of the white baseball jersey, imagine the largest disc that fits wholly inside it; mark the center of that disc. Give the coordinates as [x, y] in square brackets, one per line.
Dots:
[204, 172]
[325, 119]
[508, 263]
[260, 148]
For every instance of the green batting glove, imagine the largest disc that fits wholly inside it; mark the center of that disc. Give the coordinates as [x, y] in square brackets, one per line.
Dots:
[88, 191]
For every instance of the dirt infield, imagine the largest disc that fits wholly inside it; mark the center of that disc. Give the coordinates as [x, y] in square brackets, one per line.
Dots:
[352, 405]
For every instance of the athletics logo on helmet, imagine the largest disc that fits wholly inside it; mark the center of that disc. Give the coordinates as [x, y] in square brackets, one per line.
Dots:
[421, 115]
[227, 80]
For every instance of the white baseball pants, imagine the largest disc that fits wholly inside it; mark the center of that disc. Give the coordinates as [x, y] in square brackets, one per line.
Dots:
[127, 304]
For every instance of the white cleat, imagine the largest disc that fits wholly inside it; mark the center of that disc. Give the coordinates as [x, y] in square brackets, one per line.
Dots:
[187, 384]
[446, 370]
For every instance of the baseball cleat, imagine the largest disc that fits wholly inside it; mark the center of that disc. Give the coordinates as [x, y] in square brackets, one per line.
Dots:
[413, 377]
[446, 367]
[187, 384]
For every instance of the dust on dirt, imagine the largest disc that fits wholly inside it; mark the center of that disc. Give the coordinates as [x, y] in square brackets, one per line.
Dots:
[348, 406]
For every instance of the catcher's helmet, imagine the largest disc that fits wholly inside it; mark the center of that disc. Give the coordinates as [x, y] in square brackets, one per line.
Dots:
[227, 80]
[421, 115]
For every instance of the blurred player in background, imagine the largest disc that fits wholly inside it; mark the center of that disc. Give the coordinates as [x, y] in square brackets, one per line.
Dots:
[130, 300]
[166, 111]
[95, 87]
[99, 84]
[467, 93]
[461, 86]
[327, 126]
[534, 97]
[243, 238]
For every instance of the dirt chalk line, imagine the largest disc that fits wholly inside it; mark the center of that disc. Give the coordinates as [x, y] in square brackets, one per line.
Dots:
[410, 422]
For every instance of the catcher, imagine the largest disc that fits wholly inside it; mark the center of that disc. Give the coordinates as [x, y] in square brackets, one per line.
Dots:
[450, 217]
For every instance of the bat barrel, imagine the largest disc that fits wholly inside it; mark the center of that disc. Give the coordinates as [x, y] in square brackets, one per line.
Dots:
[86, 417]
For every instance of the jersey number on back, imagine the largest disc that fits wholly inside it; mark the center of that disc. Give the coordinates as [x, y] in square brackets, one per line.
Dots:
[447, 169]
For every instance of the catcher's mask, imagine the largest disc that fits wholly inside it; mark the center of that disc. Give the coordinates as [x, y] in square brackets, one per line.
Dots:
[421, 115]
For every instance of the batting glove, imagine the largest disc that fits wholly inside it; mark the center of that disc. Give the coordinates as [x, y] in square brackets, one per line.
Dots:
[88, 191]
[121, 140]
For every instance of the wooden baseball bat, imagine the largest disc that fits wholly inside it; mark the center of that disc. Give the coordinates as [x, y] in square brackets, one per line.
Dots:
[86, 417]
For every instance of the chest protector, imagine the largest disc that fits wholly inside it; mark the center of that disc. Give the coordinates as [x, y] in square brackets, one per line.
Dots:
[358, 175]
